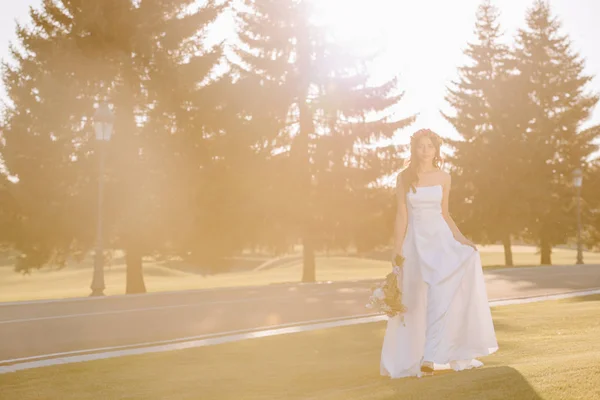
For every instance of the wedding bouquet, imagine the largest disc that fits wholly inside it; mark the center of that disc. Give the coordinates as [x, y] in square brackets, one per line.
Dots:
[387, 296]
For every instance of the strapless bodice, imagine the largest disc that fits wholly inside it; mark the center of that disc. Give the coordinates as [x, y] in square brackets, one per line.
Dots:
[425, 203]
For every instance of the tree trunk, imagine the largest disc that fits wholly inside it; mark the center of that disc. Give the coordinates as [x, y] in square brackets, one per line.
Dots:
[135, 274]
[125, 103]
[508, 256]
[546, 252]
[306, 129]
[308, 251]
[308, 258]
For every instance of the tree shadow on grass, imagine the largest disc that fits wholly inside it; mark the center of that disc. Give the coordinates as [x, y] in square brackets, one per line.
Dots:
[500, 383]
[491, 383]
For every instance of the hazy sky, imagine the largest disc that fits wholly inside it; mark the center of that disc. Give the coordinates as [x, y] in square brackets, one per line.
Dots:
[423, 41]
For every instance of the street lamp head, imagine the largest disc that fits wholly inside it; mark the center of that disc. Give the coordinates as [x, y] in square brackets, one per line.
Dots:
[577, 177]
[103, 122]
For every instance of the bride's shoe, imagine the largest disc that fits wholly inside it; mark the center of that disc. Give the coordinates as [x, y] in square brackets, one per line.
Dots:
[427, 367]
[463, 365]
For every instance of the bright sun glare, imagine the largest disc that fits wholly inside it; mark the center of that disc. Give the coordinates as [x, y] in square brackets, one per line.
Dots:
[421, 47]
[419, 42]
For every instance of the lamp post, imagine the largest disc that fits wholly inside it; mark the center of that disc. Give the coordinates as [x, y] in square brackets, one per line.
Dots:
[103, 125]
[577, 182]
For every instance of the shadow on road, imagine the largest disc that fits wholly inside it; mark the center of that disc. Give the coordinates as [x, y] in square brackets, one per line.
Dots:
[567, 278]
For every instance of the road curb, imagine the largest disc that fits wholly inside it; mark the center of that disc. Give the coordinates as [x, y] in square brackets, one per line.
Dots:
[14, 365]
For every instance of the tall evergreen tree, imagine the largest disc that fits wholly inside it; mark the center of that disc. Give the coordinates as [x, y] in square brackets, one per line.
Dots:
[147, 59]
[485, 102]
[181, 140]
[319, 105]
[551, 73]
[42, 132]
[351, 117]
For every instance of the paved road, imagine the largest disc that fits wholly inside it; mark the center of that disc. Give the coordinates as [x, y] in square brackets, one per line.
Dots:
[37, 328]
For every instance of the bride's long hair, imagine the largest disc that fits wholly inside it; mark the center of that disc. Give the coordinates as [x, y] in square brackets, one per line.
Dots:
[410, 175]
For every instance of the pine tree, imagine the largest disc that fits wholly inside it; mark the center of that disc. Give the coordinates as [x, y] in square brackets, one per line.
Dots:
[320, 107]
[346, 165]
[182, 102]
[485, 101]
[42, 131]
[552, 75]
[147, 59]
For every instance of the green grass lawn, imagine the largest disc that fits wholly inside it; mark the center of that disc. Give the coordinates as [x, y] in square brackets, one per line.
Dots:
[74, 280]
[548, 350]
[493, 256]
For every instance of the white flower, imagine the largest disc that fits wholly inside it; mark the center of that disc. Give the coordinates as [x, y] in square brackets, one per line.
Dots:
[378, 293]
[397, 270]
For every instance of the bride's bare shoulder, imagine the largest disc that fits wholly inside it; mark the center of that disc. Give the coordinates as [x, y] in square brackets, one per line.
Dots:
[446, 178]
[400, 176]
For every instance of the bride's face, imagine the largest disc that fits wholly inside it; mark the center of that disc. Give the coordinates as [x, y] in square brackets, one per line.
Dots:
[425, 150]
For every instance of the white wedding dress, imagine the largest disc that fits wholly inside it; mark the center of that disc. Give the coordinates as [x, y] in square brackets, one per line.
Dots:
[448, 319]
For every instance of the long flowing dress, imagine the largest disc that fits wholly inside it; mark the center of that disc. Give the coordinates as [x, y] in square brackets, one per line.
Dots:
[448, 319]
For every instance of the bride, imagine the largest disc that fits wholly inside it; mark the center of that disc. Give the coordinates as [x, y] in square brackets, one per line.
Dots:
[448, 321]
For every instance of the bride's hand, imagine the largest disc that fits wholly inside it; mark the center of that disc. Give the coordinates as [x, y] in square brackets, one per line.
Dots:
[469, 243]
[397, 260]
[397, 264]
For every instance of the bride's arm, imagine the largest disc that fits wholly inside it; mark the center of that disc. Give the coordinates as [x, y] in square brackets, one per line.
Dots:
[445, 212]
[401, 221]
